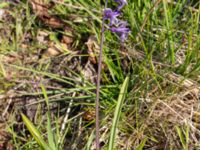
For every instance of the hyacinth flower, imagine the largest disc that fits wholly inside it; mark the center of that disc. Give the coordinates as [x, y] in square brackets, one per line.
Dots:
[122, 3]
[116, 25]
[111, 15]
[121, 31]
[121, 23]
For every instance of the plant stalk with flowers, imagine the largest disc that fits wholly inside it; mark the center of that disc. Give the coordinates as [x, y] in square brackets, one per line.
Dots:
[116, 26]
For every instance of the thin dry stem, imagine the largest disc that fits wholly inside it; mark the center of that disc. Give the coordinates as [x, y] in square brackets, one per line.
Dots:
[98, 83]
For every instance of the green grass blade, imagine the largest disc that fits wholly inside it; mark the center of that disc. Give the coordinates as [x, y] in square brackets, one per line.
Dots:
[44, 92]
[50, 75]
[35, 133]
[182, 138]
[142, 144]
[187, 137]
[168, 19]
[51, 140]
[89, 142]
[120, 101]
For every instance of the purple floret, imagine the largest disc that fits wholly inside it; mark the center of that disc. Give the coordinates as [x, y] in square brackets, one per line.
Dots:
[124, 36]
[112, 15]
[119, 29]
[122, 3]
[122, 24]
[122, 31]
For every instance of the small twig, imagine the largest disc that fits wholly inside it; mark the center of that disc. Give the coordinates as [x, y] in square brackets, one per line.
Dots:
[66, 116]
[98, 83]
[6, 109]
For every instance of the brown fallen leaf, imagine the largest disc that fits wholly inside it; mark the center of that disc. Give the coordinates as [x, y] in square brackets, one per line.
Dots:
[41, 8]
[52, 52]
[67, 39]
[52, 22]
[93, 49]
[41, 37]
[89, 114]
[55, 49]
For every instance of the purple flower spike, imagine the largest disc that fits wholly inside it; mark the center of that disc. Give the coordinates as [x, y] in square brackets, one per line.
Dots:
[116, 25]
[122, 3]
[119, 30]
[122, 31]
[112, 15]
[122, 24]
[124, 36]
